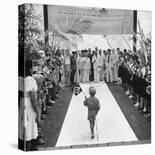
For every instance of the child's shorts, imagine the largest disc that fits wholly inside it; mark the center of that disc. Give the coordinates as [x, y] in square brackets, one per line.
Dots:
[91, 114]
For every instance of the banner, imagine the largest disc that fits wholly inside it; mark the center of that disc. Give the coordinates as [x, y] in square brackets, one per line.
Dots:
[84, 20]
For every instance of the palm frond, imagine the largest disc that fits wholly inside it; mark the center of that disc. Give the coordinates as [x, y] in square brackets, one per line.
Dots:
[74, 24]
[69, 28]
[55, 33]
[87, 21]
[74, 33]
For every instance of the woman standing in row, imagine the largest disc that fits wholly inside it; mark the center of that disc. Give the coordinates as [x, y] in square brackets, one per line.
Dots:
[29, 110]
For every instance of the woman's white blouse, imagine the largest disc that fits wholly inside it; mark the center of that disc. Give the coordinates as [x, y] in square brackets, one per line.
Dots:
[30, 84]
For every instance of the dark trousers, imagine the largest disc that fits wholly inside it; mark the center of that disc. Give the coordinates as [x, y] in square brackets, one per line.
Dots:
[91, 76]
[72, 76]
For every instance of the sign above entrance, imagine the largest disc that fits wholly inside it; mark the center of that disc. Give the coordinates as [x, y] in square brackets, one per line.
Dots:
[82, 20]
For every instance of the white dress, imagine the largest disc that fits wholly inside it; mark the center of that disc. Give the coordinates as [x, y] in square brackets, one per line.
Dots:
[31, 131]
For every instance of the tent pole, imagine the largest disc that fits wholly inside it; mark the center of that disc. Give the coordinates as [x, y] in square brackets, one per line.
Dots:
[45, 11]
[134, 30]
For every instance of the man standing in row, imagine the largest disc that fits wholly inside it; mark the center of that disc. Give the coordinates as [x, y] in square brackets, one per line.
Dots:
[86, 68]
[67, 67]
[109, 66]
[101, 62]
[115, 64]
[96, 66]
[90, 55]
[73, 67]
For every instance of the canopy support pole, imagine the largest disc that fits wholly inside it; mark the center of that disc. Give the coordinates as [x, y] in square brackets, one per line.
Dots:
[45, 11]
[134, 31]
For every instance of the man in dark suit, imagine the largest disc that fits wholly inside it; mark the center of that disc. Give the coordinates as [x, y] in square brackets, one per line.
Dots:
[90, 55]
[73, 66]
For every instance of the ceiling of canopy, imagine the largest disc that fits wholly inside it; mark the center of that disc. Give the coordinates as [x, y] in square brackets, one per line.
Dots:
[96, 21]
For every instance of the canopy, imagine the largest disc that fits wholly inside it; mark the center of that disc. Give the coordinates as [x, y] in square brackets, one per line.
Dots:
[91, 20]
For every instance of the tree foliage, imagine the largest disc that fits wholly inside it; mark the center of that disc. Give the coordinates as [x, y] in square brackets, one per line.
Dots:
[29, 31]
[68, 30]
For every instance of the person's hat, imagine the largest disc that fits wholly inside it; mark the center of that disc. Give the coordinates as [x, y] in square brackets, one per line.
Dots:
[92, 90]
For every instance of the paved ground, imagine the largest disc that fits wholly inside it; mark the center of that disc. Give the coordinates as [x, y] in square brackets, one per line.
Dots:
[53, 123]
[111, 125]
[140, 125]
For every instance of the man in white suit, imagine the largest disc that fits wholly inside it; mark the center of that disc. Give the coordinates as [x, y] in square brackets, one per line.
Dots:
[84, 60]
[97, 67]
[101, 62]
[104, 64]
[87, 67]
[109, 66]
[115, 64]
[82, 67]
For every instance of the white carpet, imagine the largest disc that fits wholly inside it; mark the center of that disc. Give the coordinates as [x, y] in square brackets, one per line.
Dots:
[112, 125]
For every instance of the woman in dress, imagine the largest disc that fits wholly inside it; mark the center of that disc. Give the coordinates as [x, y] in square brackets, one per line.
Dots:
[30, 116]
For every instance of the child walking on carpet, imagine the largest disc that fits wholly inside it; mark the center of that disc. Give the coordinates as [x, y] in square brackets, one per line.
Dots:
[93, 106]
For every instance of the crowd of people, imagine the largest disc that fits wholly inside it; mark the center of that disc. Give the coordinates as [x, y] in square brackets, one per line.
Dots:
[88, 65]
[38, 89]
[40, 86]
[135, 74]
